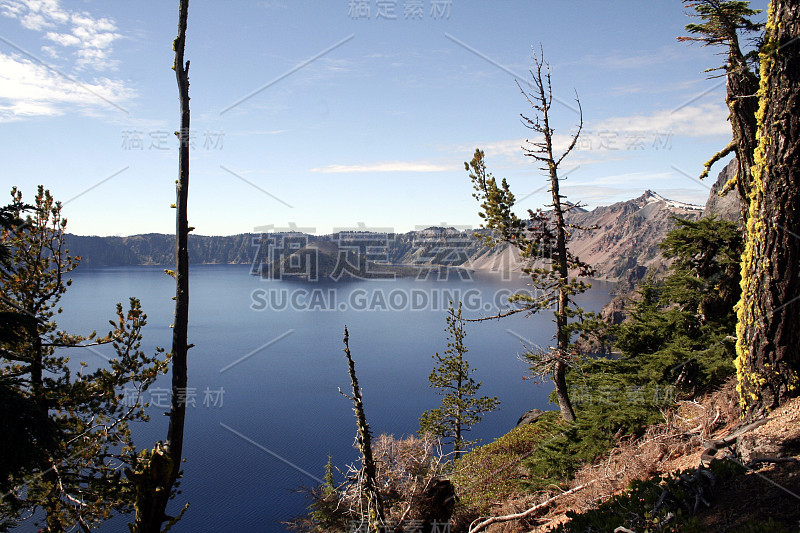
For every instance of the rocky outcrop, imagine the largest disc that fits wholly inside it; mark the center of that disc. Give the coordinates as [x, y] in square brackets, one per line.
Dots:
[624, 243]
[728, 207]
[530, 417]
[614, 311]
[101, 251]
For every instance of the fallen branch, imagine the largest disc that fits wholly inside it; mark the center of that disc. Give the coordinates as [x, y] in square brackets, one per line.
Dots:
[525, 514]
[762, 459]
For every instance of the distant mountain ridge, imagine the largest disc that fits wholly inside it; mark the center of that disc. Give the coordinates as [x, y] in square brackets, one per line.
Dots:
[624, 245]
[626, 241]
[159, 249]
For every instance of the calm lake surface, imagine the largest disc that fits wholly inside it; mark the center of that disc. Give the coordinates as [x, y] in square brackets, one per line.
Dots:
[268, 362]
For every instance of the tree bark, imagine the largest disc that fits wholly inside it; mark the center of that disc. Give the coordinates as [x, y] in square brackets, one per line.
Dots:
[165, 463]
[564, 403]
[562, 264]
[768, 336]
[724, 23]
[562, 335]
[364, 439]
[181, 324]
[741, 89]
[457, 451]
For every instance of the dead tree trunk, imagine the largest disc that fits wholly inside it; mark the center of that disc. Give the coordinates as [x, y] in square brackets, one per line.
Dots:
[370, 487]
[543, 152]
[156, 479]
[180, 345]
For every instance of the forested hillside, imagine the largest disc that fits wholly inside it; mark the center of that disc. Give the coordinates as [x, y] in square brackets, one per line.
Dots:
[158, 249]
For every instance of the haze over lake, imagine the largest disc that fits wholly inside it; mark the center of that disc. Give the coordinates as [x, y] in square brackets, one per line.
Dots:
[264, 381]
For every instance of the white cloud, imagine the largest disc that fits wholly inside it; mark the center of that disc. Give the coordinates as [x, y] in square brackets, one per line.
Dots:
[28, 89]
[34, 21]
[50, 52]
[64, 39]
[692, 121]
[602, 141]
[500, 155]
[509, 154]
[91, 39]
[612, 136]
[506, 147]
[31, 86]
[631, 132]
[387, 166]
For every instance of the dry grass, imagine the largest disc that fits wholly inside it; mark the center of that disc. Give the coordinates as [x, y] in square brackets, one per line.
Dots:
[405, 468]
[671, 445]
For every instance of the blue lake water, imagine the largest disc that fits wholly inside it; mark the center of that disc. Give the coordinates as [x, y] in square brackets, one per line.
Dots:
[267, 364]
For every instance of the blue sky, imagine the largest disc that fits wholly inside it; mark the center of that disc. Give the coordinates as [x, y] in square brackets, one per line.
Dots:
[333, 114]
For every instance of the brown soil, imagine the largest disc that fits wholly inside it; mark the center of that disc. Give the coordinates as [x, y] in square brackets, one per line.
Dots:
[677, 444]
[754, 499]
[768, 490]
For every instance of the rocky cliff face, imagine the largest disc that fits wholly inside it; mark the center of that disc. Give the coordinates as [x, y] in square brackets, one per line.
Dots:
[728, 207]
[622, 247]
[159, 249]
[628, 234]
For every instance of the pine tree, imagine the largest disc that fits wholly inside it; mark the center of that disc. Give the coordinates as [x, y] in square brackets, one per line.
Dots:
[460, 409]
[705, 275]
[544, 237]
[326, 511]
[726, 23]
[688, 319]
[764, 111]
[768, 338]
[18, 416]
[68, 435]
